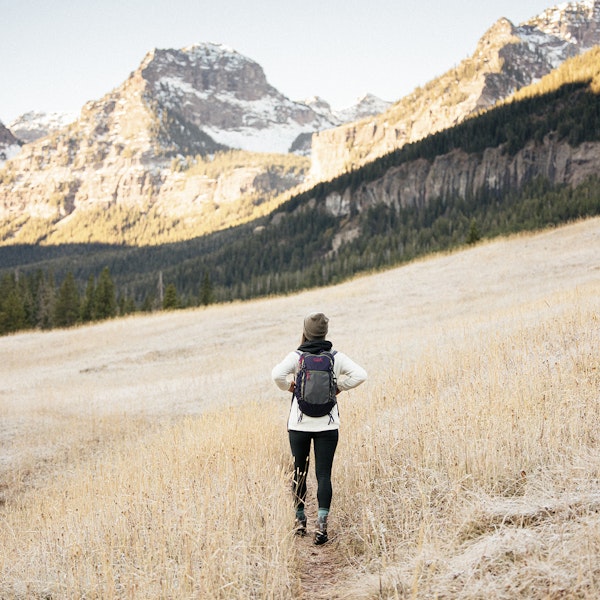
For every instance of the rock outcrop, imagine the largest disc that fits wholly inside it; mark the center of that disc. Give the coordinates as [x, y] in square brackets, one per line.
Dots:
[459, 174]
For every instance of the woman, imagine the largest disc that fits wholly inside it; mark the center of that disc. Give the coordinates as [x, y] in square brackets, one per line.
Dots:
[322, 431]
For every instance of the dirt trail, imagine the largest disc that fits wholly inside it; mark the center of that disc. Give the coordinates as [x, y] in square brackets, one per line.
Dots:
[319, 569]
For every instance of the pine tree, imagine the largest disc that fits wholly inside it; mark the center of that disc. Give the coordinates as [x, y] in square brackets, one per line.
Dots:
[105, 297]
[171, 300]
[88, 307]
[206, 292]
[12, 311]
[474, 236]
[25, 285]
[67, 307]
[148, 303]
[45, 302]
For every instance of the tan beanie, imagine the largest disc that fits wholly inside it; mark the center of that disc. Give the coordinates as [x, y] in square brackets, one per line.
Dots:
[315, 326]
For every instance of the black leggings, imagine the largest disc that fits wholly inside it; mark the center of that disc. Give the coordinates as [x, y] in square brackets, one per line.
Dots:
[325, 443]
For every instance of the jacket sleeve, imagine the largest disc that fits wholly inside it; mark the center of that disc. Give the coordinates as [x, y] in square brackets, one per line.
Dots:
[281, 372]
[350, 374]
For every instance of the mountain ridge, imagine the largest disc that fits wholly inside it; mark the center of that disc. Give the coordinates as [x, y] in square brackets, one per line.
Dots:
[205, 82]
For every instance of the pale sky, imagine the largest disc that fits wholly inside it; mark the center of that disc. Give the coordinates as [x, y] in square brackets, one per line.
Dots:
[55, 55]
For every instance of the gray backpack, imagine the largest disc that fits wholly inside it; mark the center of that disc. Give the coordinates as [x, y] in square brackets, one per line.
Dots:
[316, 385]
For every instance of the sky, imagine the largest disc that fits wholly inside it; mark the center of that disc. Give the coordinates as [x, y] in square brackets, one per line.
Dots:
[57, 55]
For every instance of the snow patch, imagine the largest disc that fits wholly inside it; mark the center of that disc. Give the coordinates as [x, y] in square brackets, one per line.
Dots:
[33, 125]
[9, 152]
[215, 53]
[273, 139]
[554, 49]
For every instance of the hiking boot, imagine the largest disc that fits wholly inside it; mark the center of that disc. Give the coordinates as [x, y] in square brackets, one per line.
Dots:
[301, 526]
[321, 532]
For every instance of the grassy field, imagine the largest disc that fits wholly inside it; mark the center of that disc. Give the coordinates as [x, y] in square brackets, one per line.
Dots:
[148, 457]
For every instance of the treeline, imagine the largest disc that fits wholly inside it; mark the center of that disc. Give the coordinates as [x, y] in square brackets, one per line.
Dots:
[36, 301]
[297, 255]
[225, 162]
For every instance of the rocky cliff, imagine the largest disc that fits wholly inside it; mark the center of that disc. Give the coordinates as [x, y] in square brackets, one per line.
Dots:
[506, 58]
[459, 174]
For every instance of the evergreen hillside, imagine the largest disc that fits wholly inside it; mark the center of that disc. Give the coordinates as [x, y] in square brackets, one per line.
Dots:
[294, 248]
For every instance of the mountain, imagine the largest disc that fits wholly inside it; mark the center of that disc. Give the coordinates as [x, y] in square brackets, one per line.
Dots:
[506, 58]
[227, 96]
[137, 154]
[32, 126]
[365, 106]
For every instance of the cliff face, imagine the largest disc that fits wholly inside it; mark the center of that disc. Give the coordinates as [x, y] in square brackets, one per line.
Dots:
[460, 174]
[507, 58]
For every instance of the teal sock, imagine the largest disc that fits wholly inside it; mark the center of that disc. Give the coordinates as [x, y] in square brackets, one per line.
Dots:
[323, 512]
[300, 514]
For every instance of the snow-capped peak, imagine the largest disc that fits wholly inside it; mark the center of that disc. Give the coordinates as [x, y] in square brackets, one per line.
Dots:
[210, 49]
[33, 125]
[365, 106]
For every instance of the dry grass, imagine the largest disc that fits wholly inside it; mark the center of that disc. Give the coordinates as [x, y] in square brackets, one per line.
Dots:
[147, 458]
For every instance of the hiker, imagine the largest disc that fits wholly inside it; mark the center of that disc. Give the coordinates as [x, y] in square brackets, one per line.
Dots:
[321, 430]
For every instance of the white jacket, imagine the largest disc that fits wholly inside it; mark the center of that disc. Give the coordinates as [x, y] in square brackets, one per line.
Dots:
[348, 375]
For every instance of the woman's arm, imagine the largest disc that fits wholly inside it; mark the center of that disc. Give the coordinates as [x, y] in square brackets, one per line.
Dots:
[350, 374]
[283, 370]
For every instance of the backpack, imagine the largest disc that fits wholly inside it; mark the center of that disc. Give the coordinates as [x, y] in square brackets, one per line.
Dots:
[316, 384]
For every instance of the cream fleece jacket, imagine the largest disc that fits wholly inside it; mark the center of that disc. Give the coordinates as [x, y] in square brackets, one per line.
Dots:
[348, 375]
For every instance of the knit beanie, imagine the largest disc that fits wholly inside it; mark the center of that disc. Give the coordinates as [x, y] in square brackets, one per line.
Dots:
[315, 326]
